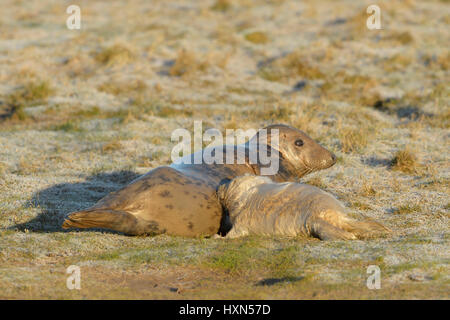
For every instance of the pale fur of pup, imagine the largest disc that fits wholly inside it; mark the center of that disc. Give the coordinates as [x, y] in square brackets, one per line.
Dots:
[256, 205]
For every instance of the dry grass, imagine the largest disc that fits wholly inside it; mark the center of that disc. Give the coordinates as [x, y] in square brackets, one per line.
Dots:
[353, 139]
[361, 206]
[403, 38]
[307, 117]
[2, 168]
[188, 63]
[257, 37]
[406, 209]
[29, 166]
[111, 146]
[405, 160]
[117, 54]
[123, 87]
[221, 5]
[354, 89]
[32, 93]
[67, 126]
[316, 181]
[367, 189]
[293, 65]
[397, 62]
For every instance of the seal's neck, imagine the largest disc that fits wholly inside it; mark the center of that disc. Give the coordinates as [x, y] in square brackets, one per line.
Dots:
[285, 170]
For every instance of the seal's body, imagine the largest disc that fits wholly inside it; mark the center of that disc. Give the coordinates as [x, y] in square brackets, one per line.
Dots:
[181, 199]
[256, 205]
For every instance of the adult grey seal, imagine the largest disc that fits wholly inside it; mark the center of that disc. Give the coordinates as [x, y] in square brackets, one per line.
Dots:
[256, 205]
[181, 199]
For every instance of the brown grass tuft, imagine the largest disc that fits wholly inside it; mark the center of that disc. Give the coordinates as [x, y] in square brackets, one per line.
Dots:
[406, 161]
[31, 92]
[117, 54]
[257, 37]
[292, 65]
[367, 189]
[407, 208]
[187, 63]
[403, 38]
[221, 5]
[123, 87]
[14, 112]
[169, 111]
[361, 205]
[279, 112]
[111, 146]
[27, 95]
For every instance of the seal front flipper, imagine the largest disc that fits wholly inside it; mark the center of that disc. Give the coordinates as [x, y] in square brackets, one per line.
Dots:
[110, 219]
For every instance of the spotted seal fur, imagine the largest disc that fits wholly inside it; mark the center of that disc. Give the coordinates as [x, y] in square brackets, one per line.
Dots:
[181, 199]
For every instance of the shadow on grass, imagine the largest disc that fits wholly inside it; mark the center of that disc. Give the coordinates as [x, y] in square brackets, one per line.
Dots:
[377, 162]
[57, 201]
[273, 281]
[409, 112]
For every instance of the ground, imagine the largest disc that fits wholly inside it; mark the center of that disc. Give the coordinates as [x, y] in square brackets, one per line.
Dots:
[83, 112]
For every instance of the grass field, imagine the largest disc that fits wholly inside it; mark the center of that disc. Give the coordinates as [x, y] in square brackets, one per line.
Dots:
[83, 112]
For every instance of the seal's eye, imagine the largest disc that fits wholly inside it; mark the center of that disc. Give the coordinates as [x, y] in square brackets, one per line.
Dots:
[299, 142]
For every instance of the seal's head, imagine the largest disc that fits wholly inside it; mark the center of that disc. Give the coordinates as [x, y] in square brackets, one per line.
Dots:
[299, 154]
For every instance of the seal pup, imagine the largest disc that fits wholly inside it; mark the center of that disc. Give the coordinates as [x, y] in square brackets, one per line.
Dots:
[181, 199]
[256, 205]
